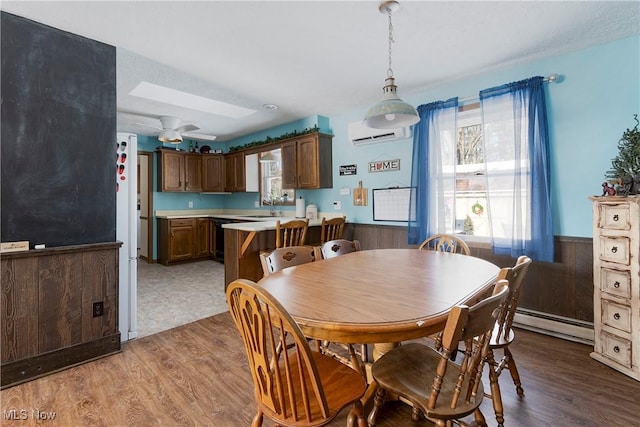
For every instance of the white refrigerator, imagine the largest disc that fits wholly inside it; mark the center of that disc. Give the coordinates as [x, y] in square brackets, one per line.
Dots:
[127, 232]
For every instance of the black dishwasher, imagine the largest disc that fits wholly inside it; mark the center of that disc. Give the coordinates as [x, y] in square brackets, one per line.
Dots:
[219, 238]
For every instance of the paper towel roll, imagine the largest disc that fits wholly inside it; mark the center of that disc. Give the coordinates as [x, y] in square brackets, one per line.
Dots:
[300, 208]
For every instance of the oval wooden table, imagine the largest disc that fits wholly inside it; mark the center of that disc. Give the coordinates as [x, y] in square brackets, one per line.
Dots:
[379, 296]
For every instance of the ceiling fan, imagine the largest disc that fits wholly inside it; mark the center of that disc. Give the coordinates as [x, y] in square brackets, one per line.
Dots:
[172, 132]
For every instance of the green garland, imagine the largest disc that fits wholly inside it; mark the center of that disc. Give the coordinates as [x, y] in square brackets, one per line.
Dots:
[270, 140]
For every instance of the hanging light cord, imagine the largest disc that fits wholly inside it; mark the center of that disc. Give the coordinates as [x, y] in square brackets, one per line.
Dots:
[389, 70]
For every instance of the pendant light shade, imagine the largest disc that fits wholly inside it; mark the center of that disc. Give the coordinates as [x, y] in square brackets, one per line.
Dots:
[391, 112]
[267, 157]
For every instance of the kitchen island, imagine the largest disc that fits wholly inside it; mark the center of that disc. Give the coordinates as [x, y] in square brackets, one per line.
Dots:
[243, 242]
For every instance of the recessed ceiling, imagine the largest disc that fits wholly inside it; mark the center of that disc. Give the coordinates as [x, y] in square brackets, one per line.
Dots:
[315, 57]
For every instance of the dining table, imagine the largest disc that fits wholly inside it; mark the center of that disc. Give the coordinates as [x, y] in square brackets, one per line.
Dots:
[380, 296]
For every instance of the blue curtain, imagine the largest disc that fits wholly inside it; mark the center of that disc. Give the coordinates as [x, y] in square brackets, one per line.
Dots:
[433, 136]
[526, 228]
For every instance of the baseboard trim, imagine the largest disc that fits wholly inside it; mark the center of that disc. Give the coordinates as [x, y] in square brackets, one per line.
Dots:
[557, 326]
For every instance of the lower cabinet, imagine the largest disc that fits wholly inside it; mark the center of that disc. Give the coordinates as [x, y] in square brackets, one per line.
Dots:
[183, 239]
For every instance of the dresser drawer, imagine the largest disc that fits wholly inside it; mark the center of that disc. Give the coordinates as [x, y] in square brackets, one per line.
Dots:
[615, 282]
[616, 315]
[616, 348]
[614, 217]
[614, 249]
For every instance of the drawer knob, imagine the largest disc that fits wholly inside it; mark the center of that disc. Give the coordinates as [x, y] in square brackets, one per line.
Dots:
[616, 349]
[614, 249]
[616, 217]
[616, 316]
[616, 284]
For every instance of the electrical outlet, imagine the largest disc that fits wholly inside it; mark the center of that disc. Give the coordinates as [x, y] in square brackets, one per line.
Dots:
[98, 308]
[190, 204]
[256, 204]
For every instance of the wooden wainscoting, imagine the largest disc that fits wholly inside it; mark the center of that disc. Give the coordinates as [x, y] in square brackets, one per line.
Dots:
[557, 298]
[48, 321]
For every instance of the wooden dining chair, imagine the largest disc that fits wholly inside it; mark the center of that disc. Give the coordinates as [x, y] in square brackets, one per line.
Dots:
[438, 387]
[445, 243]
[332, 229]
[291, 233]
[286, 257]
[296, 387]
[503, 335]
[334, 248]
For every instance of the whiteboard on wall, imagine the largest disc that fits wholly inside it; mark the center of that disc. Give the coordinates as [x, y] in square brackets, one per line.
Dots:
[392, 204]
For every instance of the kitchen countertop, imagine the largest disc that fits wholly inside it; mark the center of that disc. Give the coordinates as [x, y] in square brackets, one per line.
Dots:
[251, 221]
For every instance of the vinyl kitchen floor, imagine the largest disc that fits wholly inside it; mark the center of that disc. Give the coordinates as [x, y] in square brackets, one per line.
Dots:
[179, 294]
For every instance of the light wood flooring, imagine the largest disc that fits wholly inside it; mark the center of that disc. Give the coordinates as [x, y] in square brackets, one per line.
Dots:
[196, 375]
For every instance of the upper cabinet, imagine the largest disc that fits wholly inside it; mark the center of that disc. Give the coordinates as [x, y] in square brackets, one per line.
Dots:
[234, 172]
[212, 173]
[306, 161]
[179, 171]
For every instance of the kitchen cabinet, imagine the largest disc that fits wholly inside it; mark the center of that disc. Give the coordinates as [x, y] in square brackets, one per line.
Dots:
[616, 279]
[183, 239]
[179, 171]
[212, 173]
[201, 238]
[306, 162]
[234, 172]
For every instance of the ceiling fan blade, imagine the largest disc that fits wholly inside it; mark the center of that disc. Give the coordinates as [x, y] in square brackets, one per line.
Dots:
[187, 128]
[149, 126]
[199, 136]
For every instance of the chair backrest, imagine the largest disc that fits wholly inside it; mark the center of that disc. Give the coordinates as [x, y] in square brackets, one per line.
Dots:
[445, 243]
[472, 327]
[334, 248]
[286, 257]
[291, 233]
[515, 275]
[332, 229]
[287, 386]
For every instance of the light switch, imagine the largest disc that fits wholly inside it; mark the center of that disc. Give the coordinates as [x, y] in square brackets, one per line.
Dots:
[337, 205]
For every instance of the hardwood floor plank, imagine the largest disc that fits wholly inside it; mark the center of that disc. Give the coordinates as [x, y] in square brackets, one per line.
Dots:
[197, 375]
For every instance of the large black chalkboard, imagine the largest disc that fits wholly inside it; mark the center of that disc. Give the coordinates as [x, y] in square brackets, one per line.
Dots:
[58, 136]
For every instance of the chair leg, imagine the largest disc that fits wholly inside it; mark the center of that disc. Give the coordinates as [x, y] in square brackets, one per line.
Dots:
[496, 397]
[377, 404]
[257, 420]
[511, 364]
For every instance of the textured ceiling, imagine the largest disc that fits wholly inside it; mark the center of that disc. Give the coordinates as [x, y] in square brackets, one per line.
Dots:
[322, 57]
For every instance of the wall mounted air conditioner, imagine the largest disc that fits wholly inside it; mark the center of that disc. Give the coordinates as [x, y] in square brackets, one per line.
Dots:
[360, 134]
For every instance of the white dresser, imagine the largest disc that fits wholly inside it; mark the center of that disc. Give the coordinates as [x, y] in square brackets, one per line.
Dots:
[616, 279]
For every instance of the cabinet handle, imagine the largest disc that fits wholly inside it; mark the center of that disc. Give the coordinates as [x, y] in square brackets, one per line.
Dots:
[616, 284]
[616, 349]
[614, 249]
[616, 316]
[616, 217]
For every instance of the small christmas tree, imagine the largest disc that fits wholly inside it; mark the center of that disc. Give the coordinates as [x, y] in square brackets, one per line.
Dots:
[468, 225]
[625, 167]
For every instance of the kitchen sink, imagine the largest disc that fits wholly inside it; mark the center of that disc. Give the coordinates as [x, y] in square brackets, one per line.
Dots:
[259, 216]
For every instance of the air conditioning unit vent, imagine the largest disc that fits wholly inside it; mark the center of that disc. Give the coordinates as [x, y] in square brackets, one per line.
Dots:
[360, 134]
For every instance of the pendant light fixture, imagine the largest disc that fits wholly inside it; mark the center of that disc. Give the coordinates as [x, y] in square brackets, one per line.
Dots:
[267, 157]
[391, 112]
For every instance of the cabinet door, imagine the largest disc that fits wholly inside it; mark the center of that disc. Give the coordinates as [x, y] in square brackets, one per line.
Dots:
[193, 172]
[202, 237]
[171, 171]
[234, 172]
[307, 163]
[181, 243]
[212, 172]
[289, 166]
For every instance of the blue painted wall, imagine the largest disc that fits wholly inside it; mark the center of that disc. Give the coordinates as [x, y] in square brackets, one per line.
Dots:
[588, 112]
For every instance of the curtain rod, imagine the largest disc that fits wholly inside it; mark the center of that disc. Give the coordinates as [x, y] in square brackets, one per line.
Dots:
[552, 78]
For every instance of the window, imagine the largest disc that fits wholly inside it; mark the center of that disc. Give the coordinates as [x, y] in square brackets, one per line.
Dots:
[474, 171]
[271, 191]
